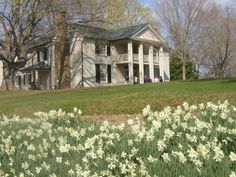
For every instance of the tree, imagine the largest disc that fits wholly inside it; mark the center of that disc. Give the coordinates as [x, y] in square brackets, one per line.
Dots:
[218, 42]
[24, 21]
[120, 13]
[176, 68]
[181, 19]
[18, 22]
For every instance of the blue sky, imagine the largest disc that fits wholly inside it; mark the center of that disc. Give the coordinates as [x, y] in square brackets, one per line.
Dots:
[152, 3]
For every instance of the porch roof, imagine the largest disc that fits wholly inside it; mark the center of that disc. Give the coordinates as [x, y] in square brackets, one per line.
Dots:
[38, 66]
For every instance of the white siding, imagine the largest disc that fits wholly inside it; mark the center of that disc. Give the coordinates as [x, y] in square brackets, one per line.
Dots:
[1, 73]
[166, 67]
[148, 35]
[75, 62]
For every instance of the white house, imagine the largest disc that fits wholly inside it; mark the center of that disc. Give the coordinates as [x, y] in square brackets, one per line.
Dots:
[1, 73]
[100, 58]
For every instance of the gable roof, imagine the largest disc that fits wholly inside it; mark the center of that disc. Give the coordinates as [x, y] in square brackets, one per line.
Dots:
[126, 32]
[92, 32]
[100, 33]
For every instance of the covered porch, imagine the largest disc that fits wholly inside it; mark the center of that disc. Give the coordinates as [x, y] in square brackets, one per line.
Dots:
[124, 70]
[33, 77]
[142, 59]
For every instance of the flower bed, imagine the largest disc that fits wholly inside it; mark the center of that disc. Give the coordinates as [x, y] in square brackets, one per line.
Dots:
[191, 140]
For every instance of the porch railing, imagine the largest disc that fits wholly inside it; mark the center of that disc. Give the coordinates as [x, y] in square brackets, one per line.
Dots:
[124, 58]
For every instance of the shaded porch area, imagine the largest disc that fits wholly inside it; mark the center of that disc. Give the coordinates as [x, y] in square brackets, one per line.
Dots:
[124, 70]
[35, 77]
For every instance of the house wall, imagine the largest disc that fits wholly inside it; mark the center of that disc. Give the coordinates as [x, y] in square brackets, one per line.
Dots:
[1, 73]
[147, 34]
[118, 70]
[90, 58]
[76, 62]
[166, 67]
[44, 79]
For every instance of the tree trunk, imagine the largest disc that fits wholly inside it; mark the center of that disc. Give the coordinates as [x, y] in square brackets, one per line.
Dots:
[62, 50]
[184, 70]
[8, 82]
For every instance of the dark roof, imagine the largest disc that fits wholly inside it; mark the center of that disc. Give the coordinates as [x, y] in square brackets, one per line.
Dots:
[126, 32]
[38, 66]
[100, 33]
[20, 64]
[42, 41]
[94, 33]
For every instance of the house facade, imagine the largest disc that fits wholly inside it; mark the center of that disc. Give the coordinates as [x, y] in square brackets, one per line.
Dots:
[99, 57]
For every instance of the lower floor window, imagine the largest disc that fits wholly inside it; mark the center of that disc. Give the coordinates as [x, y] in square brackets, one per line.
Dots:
[29, 79]
[103, 73]
[24, 79]
[18, 80]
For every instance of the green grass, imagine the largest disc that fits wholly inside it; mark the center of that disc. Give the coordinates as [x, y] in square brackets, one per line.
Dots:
[118, 100]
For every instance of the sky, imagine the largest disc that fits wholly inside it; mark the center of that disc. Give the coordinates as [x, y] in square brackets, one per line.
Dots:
[152, 3]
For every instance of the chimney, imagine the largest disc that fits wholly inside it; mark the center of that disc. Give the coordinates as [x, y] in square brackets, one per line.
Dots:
[62, 51]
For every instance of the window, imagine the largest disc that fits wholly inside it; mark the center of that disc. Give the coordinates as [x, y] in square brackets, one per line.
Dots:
[108, 50]
[29, 79]
[97, 67]
[155, 51]
[38, 56]
[103, 73]
[109, 73]
[18, 80]
[135, 49]
[45, 54]
[24, 79]
[145, 51]
[100, 49]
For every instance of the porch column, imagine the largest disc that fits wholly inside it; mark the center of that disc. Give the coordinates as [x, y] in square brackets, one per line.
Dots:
[141, 66]
[130, 62]
[161, 62]
[36, 76]
[151, 65]
[32, 76]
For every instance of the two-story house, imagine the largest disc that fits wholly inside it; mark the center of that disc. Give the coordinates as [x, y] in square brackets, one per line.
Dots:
[100, 58]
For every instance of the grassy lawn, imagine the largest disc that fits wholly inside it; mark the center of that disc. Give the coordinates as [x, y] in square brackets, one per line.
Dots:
[118, 100]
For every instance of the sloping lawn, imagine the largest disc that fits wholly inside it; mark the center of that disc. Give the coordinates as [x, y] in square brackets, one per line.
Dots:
[118, 100]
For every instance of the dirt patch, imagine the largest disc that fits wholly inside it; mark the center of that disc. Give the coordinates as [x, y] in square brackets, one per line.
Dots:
[112, 118]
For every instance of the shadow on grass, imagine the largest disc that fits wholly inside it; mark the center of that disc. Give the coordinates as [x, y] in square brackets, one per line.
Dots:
[224, 80]
[229, 81]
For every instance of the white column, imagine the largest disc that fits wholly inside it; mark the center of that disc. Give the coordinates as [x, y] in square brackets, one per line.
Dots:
[53, 65]
[151, 65]
[141, 66]
[32, 76]
[130, 62]
[36, 76]
[1, 73]
[161, 60]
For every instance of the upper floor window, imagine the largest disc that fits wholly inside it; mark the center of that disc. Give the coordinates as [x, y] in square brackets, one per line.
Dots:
[45, 54]
[100, 48]
[108, 50]
[38, 56]
[155, 52]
